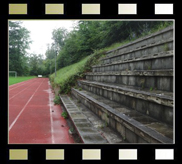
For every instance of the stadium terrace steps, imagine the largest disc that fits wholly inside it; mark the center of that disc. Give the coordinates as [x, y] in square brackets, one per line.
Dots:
[163, 60]
[132, 125]
[84, 128]
[151, 50]
[89, 127]
[131, 89]
[156, 37]
[155, 79]
[140, 100]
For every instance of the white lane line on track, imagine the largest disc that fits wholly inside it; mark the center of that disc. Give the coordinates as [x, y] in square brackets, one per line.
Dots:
[19, 83]
[21, 91]
[12, 124]
[22, 82]
[51, 119]
[25, 82]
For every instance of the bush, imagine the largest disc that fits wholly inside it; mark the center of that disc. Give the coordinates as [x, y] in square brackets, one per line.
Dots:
[57, 100]
[64, 114]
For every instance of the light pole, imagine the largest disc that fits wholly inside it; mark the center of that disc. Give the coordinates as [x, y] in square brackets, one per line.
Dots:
[50, 67]
[55, 62]
[55, 57]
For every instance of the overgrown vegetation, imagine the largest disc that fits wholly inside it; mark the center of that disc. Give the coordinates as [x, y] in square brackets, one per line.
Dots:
[64, 115]
[57, 100]
[151, 88]
[76, 50]
[67, 76]
[89, 36]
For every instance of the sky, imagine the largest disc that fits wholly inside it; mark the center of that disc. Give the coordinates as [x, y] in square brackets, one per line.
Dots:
[41, 32]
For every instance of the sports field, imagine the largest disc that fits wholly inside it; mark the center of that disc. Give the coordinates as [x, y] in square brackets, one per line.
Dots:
[14, 80]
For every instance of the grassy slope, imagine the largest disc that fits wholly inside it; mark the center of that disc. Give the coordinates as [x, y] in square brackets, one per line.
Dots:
[68, 71]
[67, 76]
[13, 80]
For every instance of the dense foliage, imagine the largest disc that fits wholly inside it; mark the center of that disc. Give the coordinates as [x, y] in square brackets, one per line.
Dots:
[71, 47]
[19, 41]
[89, 36]
[23, 63]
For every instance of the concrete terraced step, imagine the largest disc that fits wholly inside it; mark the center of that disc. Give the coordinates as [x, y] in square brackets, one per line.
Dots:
[164, 72]
[144, 101]
[162, 60]
[112, 136]
[164, 98]
[153, 38]
[87, 133]
[160, 79]
[147, 50]
[132, 125]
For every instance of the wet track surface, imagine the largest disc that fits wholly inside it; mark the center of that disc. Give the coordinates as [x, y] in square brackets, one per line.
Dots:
[33, 118]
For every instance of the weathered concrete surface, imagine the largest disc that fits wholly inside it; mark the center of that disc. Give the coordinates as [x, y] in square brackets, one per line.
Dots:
[144, 41]
[155, 79]
[132, 89]
[132, 125]
[163, 98]
[85, 130]
[163, 60]
[164, 72]
[112, 136]
[149, 50]
[156, 104]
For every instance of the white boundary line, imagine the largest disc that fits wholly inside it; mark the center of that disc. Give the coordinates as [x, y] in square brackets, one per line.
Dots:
[24, 82]
[21, 91]
[18, 85]
[12, 124]
[51, 120]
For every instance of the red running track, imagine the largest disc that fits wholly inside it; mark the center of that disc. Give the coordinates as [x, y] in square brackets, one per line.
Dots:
[33, 118]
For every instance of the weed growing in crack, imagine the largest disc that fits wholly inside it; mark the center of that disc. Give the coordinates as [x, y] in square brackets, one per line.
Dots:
[57, 100]
[64, 115]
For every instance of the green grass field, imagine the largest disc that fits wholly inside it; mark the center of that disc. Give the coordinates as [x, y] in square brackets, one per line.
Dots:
[13, 80]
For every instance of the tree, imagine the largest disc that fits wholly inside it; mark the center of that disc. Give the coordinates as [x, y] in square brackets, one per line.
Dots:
[19, 40]
[89, 36]
[50, 52]
[59, 35]
[36, 64]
